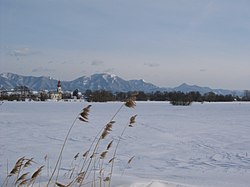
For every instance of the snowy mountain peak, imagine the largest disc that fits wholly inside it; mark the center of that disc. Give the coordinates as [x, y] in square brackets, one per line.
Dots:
[184, 85]
[142, 80]
[102, 81]
[104, 75]
[107, 76]
[7, 75]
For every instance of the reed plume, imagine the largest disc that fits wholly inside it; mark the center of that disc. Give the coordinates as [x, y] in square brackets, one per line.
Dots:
[22, 177]
[36, 173]
[130, 160]
[24, 182]
[83, 116]
[17, 166]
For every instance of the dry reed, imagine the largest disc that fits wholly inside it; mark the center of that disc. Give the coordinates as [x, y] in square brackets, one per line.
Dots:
[83, 116]
[91, 161]
[24, 182]
[22, 177]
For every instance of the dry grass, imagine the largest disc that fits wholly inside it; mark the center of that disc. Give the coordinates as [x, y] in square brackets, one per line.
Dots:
[93, 166]
[19, 176]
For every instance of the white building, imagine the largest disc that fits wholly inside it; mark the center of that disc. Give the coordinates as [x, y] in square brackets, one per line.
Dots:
[58, 95]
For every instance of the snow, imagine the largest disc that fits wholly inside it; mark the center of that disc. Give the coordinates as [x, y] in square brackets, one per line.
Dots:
[6, 75]
[199, 145]
[107, 76]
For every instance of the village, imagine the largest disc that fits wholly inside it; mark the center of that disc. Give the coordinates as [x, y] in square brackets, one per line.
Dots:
[23, 93]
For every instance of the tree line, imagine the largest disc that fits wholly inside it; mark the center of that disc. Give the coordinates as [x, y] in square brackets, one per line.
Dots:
[179, 98]
[176, 98]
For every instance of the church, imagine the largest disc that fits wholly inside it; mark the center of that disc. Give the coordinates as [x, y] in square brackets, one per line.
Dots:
[58, 94]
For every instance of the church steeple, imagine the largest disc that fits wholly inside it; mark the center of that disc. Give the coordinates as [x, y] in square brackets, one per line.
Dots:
[59, 88]
[58, 95]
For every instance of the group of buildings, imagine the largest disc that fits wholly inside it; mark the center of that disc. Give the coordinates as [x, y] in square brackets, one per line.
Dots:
[24, 93]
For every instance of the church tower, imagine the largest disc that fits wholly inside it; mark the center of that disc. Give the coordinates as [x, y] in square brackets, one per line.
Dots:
[58, 94]
[59, 88]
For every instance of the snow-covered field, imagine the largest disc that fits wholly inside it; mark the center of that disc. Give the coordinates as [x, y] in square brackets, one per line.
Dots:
[199, 145]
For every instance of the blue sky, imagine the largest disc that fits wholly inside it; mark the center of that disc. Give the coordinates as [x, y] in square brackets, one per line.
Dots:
[165, 42]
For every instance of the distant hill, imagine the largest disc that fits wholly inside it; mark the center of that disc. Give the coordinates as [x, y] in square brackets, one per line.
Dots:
[188, 88]
[101, 81]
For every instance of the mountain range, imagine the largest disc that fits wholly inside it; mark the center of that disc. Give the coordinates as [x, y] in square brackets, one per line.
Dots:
[102, 81]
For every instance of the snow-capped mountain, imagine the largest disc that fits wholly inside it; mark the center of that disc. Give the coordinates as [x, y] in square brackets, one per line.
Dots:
[101, 81]
[9, 81]
[194, 88]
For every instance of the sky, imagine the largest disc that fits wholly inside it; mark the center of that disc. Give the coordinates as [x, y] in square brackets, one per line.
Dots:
[164, 42]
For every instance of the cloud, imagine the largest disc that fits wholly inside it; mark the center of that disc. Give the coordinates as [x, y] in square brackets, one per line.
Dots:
[97, 62]
[203, 70]
[42, 69]
[64, 62]
[20, 52]
[151, 65]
